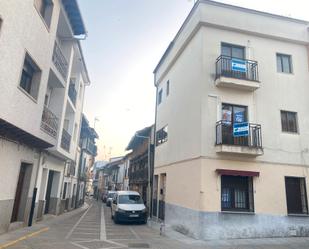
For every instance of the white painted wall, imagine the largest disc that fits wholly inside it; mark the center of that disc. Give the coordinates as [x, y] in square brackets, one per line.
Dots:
[12, 155]
[194, 103]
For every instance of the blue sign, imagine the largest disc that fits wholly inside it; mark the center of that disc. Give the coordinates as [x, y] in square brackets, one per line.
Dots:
[239, 65]
[241, 129]
[239, 117]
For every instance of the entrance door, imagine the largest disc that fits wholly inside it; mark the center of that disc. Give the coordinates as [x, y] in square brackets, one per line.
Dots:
[162, 197]
[18, 193]
[73, 196]
[48, 190]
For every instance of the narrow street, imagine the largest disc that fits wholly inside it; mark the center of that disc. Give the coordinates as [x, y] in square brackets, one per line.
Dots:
[93, 228]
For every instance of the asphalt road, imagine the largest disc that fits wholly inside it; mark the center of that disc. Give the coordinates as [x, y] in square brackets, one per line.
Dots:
[93, 228]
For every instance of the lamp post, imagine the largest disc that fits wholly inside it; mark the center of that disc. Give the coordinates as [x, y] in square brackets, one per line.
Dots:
[148, 167]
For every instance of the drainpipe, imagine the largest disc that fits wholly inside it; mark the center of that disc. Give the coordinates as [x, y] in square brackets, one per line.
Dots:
[35, 190]
[78, 178]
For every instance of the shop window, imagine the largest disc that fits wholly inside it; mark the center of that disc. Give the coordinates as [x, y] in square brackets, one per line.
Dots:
[160, 97]
[162, 135]
[30, 77]
[45, 8]
[296, 196]
[284, 63]
[237, 193]
[289, 121]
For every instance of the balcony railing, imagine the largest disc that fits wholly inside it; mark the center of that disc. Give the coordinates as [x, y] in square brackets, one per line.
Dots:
[72, 93]
[49, 122]
[65, 140]
[140, 175]
[224, 135]
[60, 61]
[246, 69]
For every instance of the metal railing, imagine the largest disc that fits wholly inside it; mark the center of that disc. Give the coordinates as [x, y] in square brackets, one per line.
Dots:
[60, 61]
[140, 175]
[65, 140]
[49, 122]
[72, 93]
[224, 68]
[224, 135]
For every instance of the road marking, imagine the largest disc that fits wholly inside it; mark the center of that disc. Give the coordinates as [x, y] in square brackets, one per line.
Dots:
[134, 233]
[103, 229]
[23, 238]
[77, 223]
[78, 245]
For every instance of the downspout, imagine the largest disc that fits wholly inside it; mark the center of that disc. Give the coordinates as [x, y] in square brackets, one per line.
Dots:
[154, 149]
[78, 178]
[35, 190]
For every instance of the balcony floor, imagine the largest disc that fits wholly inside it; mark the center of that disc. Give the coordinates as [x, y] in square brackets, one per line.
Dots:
[235, 83]
[240, 150]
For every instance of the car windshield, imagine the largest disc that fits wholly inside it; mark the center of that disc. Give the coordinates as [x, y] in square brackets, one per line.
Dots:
[111, 195]
[130, 199]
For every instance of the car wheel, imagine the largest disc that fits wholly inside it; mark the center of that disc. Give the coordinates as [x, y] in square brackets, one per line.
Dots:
[115, 219]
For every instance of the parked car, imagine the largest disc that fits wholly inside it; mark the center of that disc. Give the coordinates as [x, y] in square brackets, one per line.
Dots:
[128, 206]
[109, 198]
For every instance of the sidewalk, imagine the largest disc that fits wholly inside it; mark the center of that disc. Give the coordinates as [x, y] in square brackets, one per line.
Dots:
[15, 236]
[257, 243]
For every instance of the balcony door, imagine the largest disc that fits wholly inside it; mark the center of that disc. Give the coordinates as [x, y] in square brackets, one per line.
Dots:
[233, 51]
[233, 114]
[230, 52]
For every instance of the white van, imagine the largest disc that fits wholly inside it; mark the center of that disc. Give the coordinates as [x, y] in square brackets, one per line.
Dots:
[128, 206]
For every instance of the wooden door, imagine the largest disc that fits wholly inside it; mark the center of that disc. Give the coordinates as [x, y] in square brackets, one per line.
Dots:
[18, 193]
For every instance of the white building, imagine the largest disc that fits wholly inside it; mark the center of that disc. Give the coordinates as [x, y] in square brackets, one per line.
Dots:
[43, 79]
[216, 176]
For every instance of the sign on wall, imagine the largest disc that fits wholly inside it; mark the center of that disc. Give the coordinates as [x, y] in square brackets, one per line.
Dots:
[241, 129]
[239, 65]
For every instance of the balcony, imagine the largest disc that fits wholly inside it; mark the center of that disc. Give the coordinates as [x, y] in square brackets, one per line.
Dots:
[237, 73]
[248, 144]
[72, 93]
[49, 122]
[60, 61]
[65, 140]
[138, 176]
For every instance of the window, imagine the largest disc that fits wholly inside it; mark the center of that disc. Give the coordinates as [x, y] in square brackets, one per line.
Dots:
[45, 8]
[237, 193]
[234, 113]
[161, 135]
[284, 63]
[160, 97]
[231, 50]
[296, 196]
[289, 121]
[30, 77]
[167, 88]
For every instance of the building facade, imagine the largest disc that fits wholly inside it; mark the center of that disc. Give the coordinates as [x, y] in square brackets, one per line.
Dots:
[87, 153]
[43, 78]
[139, 173]
[231, 156]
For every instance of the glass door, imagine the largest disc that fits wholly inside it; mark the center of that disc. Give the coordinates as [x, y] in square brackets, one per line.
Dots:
[233, 114]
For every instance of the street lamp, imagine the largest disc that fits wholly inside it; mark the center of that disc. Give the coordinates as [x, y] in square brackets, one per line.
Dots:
[148, 166]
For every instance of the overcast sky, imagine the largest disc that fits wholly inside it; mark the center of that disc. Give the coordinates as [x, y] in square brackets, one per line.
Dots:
[126, 40]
